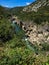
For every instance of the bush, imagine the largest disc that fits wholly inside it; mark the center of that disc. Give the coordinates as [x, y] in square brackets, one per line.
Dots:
[45, 47]
[6, 30]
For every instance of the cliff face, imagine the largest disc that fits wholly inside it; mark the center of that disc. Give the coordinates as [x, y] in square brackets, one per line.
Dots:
[37, 33]
[36, 5]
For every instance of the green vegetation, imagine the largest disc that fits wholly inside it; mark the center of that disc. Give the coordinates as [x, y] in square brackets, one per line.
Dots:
[38, 17]
[13, 49]
[6, 30]
[42, 15]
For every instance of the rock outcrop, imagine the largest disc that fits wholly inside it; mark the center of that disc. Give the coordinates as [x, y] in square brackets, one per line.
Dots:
[37, 33]
[36, 5]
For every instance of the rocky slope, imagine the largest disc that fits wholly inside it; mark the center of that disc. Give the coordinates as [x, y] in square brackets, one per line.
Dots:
[37, 10]
[37, 33]
[36, 5]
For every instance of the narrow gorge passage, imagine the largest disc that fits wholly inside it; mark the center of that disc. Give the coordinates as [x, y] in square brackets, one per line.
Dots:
[28, 44]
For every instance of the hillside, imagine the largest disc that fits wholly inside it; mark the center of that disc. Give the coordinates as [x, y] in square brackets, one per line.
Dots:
[4, 11]
[36, 5]
[16, 10]
[24, 34]
[37, 10]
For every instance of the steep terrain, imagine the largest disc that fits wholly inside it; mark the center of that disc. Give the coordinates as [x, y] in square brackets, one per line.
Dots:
[25, 48]
[37, 11]
[4, 11]
[36, 5]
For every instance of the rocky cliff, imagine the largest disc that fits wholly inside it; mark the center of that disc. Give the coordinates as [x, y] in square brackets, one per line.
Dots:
[37, 33]
[36, 5]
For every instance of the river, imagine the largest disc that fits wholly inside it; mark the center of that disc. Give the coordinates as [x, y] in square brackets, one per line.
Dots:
[28, 44]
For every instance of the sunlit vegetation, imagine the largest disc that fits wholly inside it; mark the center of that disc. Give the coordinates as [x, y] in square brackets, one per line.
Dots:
[42, 15]
[13, 49]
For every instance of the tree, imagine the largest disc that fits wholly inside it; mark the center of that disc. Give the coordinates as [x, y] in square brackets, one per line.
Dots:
[6, 30]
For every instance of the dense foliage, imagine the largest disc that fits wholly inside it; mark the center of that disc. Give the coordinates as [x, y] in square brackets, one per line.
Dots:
[14, 50]
[6, 30]
[42, 15]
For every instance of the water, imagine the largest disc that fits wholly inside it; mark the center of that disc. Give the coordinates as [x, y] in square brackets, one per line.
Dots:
[17, 28]
[28, 44]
